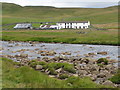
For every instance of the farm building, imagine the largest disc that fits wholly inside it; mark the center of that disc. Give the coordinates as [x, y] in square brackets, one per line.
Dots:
[23, 26]
[56, 25]
[49, 27]
[73, 25]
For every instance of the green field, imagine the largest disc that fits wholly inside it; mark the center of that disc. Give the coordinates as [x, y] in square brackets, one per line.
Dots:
[26, 77]
[103, 16]
[64, 36]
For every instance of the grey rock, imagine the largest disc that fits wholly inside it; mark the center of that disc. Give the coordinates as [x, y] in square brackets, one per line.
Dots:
[109, 83]
[101, 75]
[39, 67]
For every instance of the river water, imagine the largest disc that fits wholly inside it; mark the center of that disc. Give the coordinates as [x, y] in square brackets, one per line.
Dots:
[77, 50]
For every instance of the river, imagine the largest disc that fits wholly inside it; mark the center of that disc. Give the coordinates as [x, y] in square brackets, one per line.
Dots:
[77, 50]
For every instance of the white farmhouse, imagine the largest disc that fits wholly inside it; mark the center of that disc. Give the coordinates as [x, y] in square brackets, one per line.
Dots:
[73, 25]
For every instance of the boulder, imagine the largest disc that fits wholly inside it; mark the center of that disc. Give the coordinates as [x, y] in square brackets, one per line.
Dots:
[76, 75]
[109, 67]
[66, 53]
[99, 80]
[43, 54]
[105, 72]
[39, 67]
[91, 54]
[37, 49]
[10, 45]
[52, 76]
[102, 53]
[23, 55]
[101, 75]
[13, 51]
[83, 72]
[58, 70]
[17, 44]
[42, 46]
[109, 83]
[93, 67]
[94, 77]
[95, 72]
[50, 53]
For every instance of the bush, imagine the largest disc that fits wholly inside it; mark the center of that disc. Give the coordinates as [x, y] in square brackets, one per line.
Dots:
[116, 78]
[33, 65]
[102, 60]
[66, 66]
[32, 61]
[17, 63]
[63, 76]
[69, 68]
[99, 64]
[59, 65]
[77, 82]
[52, 71]
[42, 63]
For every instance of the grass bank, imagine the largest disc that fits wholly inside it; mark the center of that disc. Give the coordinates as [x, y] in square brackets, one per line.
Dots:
[105, 37]
[26, 77]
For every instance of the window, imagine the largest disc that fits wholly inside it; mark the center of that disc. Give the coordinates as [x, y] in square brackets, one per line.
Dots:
[71, 25]
[65, 25]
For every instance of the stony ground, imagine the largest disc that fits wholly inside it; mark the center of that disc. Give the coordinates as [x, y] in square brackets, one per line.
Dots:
[64, 65]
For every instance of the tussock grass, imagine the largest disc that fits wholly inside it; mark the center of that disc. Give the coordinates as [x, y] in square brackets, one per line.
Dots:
[26, 77]
[109, 37]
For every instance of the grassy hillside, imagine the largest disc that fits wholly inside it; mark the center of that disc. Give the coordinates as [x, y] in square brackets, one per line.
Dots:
[15, 13]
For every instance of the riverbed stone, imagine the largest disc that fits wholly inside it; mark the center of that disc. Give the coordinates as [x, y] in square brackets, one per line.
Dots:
[82, 72]
[102, 53]
[39, 67]
[99, 80]
[108, 83]
[52, 76]
[17, 44]
[23, 55]
[66, 53]
[91, 54]
[58, 70]
[101, 75]
[10, 46]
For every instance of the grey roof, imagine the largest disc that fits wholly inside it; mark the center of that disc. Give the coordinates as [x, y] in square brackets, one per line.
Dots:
[73, 22]
[24, 25]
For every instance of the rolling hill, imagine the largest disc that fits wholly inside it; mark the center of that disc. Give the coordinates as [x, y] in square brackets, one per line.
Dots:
[13, 13]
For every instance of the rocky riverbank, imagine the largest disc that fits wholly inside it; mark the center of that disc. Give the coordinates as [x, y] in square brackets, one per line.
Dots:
[64, 60]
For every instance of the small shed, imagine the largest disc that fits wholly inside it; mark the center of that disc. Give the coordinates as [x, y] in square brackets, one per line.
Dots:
[23, 26]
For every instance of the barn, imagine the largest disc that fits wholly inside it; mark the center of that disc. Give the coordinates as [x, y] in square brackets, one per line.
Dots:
[49, 27]
[23, 26]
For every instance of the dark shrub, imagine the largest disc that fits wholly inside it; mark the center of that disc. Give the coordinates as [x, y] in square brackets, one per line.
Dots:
[69, 69]
[102, 60]
[116, 78]
[33, 65]
[52, 71]
[63, 76]
[42, 63]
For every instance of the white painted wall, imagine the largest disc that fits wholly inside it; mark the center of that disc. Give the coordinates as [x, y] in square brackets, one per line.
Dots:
[74, 25]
